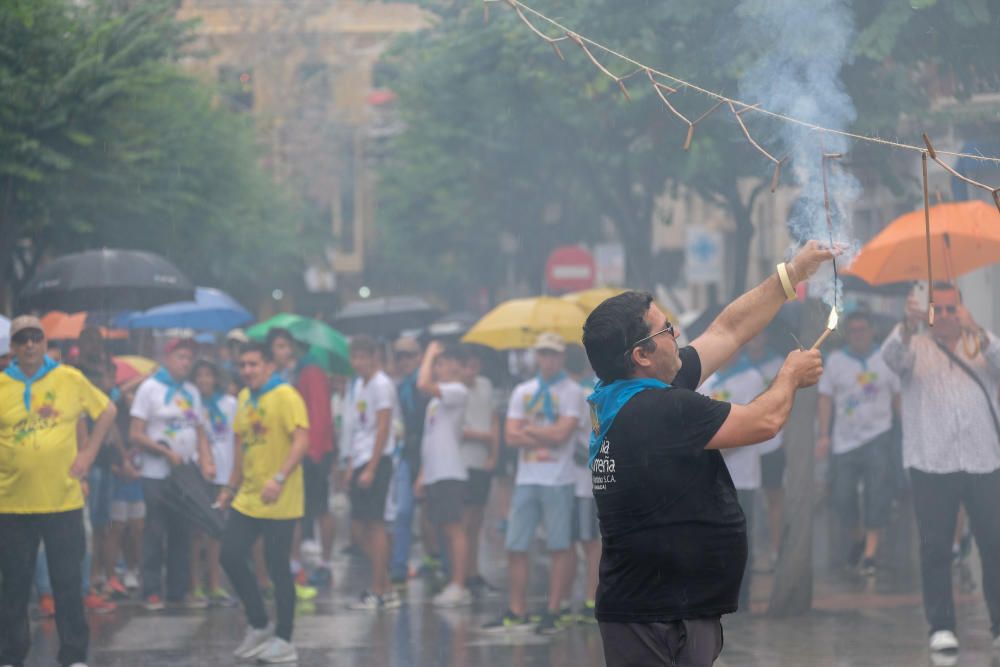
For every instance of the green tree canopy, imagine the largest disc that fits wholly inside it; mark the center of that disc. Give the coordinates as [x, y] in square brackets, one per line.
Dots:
[105, 141]
[503, 137]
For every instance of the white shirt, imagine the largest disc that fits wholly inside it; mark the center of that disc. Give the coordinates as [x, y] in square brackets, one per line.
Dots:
[220, 437]
[768, 369]
[741, 388]
[440, 449]
[364, 401]
[947, 426]
[478, 417]
[862, 391]
[546, 466]
[175, 423]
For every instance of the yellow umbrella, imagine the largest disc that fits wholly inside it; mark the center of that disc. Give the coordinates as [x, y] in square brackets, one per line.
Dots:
[592, 298]
[515, 324]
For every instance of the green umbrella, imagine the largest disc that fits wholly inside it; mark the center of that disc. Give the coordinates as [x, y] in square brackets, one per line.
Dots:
[327, 346]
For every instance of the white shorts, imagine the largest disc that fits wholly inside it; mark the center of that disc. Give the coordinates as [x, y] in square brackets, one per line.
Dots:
[122, 511]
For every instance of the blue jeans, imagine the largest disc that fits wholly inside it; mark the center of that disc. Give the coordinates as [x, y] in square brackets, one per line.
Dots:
[402, 528]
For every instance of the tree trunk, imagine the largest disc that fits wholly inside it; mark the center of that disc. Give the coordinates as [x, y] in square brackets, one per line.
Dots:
[793, 576]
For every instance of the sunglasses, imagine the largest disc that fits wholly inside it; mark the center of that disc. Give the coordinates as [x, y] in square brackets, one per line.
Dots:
[407, 355]
[951, 310]
[32, 335]
[667, 329]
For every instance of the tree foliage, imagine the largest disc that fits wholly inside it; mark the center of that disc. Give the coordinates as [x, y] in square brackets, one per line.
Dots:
[105, 141]
[504, 138]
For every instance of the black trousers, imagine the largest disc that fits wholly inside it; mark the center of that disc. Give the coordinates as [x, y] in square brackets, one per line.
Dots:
[65, 544]
[692, 643]
[936, 499]
[241, 533]
[166, 541]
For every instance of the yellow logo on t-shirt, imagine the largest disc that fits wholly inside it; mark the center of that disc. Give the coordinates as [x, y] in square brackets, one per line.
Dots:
[42, 417]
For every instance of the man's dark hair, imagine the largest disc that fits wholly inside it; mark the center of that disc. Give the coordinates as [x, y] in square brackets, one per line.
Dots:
[451, 351]
[263, 349]
[612, 330]
[466, 351]
[364, 344]
[863, 315]
[279, 332]
[943, 286]
[212, 368]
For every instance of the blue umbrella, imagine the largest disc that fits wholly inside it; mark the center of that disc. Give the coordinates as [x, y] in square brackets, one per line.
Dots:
[211, 310]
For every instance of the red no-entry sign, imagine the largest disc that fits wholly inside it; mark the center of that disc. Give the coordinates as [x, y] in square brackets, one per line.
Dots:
[570, 268]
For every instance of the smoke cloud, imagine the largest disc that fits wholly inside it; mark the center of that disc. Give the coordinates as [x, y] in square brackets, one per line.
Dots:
[803, 46]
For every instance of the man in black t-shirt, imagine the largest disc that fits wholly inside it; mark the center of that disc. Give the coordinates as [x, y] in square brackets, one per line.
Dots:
[673, 534]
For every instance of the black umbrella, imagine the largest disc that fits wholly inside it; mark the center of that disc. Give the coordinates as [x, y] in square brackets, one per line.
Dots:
[109, 280]
[187, 492]
[385, 316]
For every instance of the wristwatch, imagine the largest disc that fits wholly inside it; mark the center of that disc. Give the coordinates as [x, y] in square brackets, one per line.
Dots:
[279, 478]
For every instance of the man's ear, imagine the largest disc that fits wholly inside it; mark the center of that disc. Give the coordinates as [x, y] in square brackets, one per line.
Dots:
[639, 357]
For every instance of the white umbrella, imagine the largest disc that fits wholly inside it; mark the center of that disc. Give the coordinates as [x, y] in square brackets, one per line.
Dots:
[4, 335]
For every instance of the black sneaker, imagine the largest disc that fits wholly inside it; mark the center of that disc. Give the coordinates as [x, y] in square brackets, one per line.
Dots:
[507, 622]
[867, 567]
[481, 588]
[549, 624]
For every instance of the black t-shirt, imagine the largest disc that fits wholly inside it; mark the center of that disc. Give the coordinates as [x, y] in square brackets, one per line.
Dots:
[674, 536]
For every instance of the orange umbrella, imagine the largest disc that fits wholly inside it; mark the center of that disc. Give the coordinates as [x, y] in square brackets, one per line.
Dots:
[131, 366]
[63, 326]
[964, 236]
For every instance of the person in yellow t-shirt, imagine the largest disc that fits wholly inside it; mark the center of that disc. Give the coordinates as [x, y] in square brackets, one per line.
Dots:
[265, 492]
[41, 500]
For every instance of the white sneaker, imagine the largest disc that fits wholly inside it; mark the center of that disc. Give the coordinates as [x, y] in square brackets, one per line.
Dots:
[943, 641]
[131, 580]
[254, 642]
[278, 650]
[75, 664]
[391, 600]
[453, 595]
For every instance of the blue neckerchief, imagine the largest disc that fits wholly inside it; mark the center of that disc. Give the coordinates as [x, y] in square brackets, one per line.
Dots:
[605, 403]
[15, 372]
[543, 394]
[863, 360]
[407, 392]
[215, 414]
[275, 381]
[741, 365]
[163, 376]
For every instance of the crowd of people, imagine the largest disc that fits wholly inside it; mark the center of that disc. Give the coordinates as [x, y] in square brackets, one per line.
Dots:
[421, 442]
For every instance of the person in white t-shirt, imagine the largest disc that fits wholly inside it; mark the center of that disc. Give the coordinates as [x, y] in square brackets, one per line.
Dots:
[480, 452]
[542, 419]
[218, 415]
[772, 452]
[586, 528]
[167, 424]
[739, 382]
[371, 409]
[861, 390]
[442, 478]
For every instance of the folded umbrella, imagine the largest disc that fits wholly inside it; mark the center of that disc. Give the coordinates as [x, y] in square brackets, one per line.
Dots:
[188, 493]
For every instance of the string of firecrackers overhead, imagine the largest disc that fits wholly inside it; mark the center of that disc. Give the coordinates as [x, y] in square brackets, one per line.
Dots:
[737, 108]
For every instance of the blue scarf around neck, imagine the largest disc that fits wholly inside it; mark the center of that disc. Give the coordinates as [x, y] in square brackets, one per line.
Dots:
[544, 394]
[861, 359]
[407, 392]
[215, 414]
[275, 381]
[173, 386]
[605, 403]
[15, 372]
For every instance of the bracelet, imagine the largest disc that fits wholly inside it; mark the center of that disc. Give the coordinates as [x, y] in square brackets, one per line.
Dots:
[786, 282]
